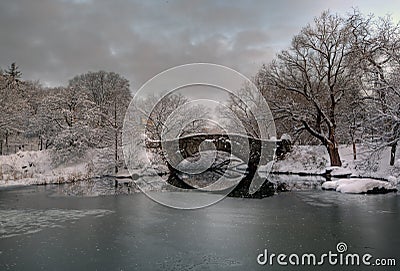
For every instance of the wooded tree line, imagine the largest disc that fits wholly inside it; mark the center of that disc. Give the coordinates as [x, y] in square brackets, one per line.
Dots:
[338, 83]
[88, 113]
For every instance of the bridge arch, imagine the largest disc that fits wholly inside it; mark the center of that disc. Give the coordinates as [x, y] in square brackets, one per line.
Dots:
[246, 148]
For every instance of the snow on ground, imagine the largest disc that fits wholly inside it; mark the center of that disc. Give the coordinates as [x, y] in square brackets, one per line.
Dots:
[357, 185]
[303, 159]
[364, 171]
[315, 160]
[35, 167]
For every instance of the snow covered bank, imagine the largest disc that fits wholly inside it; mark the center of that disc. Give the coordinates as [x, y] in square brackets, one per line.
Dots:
[303, 159]
[25, 168]
[359, 186]
[36, 167]
[338, 172]
[314, 160]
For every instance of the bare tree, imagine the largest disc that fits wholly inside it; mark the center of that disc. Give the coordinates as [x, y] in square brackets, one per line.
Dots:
[384, 119]
[393, 115]
[246, 108]
[172, 115]
[312, 77]
[377, 48]
[352, 119]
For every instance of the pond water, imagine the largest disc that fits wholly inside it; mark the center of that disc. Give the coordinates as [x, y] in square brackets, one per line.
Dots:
[42, 228]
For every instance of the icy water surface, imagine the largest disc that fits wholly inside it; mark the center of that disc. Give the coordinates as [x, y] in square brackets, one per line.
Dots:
[41, 229]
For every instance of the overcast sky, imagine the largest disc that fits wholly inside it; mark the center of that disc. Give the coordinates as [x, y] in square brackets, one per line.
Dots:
[53, 40]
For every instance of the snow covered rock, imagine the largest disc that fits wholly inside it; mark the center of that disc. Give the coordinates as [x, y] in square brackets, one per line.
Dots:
[359, 186]
[330, 185]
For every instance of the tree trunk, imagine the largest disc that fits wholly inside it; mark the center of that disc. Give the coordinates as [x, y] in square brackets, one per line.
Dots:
[8, 151]
[116, 152]
[332, 147]
[334, 155]
[354, 151]
[116, 136]
[1, 147]
[47, 145]
[393, 154]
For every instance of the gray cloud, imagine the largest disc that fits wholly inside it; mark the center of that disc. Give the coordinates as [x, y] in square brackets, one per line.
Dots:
[53, 40]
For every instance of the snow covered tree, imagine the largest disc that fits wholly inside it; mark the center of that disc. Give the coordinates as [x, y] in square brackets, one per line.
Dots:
[43, 123]
[352, 119]
[69, 114]
[111, 95]
[13, 73]
[153, 118]
[384, 119]
[13, 104]
[310, 79]
[377, 48]
[392, 115]
[34, 94]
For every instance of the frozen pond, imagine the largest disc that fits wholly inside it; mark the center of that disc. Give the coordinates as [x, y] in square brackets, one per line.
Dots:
[41, 229]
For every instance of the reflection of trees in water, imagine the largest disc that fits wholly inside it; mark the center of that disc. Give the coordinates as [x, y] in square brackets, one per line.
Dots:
[96, 187]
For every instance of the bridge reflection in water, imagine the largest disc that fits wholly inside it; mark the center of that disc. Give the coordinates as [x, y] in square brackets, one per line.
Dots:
[247, 154]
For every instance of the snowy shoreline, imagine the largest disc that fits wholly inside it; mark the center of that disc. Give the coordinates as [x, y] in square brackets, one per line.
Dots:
[36, 168]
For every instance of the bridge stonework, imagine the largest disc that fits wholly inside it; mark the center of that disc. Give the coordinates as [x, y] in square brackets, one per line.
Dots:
[243, 147]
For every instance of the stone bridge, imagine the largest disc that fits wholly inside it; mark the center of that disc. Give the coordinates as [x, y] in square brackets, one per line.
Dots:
[244, 147]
